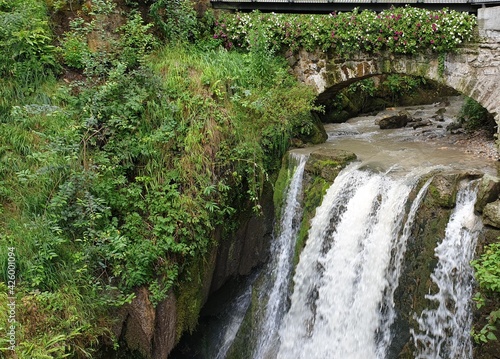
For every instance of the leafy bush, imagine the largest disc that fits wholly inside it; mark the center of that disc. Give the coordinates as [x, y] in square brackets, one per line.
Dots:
[126, 45]
[175, 18]
[487, 269]
[487, 273]
[27, 55]
[405, 30]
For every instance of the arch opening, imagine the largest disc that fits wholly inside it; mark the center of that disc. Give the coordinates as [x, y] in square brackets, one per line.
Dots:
[375, 93]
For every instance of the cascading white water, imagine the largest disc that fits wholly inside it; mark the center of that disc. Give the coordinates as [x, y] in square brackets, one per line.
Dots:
[345, 302]
[444, 332]
[342, 273]
[281, 262]
[393, 274]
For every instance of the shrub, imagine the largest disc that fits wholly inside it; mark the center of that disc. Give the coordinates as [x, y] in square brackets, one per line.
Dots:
[405, 30]
[473, 116]
[487, 273]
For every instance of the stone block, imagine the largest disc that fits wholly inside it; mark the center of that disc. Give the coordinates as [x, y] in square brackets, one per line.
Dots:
[489, 18]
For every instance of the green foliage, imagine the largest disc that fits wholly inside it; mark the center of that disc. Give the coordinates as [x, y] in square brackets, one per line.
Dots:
[487, 273]
[487, 332]
[120, 179]
[363, 90]
[27, 55]
[175, 18]
[487, 268]
[398, 85]
[359, 96]
[473, 116]
[405, 30]
[281, 184]
[125, 47]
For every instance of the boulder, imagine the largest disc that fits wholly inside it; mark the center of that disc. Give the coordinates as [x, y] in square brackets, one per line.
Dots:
[139, 326]
[455, 128]
[438, 117]
[491, 214]
[489, 191]
[328, 162]
[421, 123]
[389, 121]
[443, 189]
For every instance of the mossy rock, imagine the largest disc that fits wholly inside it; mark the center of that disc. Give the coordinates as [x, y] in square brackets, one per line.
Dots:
[420, 261]
[491, 214]
[317, 133]
[328, 162]
[281, 183]
[443, 190]
[313, 196]
[321, 169]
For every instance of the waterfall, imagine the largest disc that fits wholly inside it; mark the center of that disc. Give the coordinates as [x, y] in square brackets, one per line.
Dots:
[444, 332]
[236, 310]
[281, 260]
[363, 286]
[348, 271]
[393, 274]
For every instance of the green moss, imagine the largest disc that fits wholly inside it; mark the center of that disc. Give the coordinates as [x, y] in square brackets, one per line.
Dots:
[328, 163]
[190, 298]
[442, 199]
[244, 343]
[313, 197]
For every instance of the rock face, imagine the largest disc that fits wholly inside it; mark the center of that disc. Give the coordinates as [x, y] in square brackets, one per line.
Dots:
[152, 333]
[489, 191]
[419, 262]
[140, 323]
[247, 247]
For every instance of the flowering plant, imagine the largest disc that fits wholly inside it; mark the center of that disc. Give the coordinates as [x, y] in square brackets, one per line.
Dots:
[405, 30]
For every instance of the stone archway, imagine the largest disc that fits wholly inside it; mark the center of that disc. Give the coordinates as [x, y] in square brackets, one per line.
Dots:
[473, 71]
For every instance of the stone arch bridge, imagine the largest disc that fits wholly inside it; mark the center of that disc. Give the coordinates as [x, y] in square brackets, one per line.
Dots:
[473, 71]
